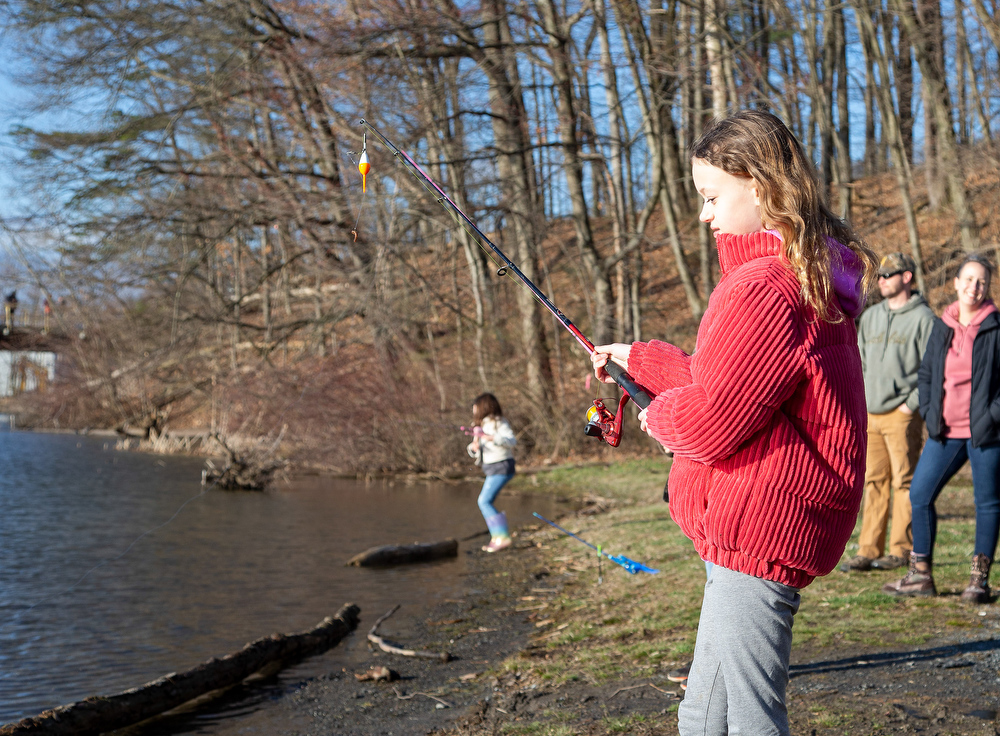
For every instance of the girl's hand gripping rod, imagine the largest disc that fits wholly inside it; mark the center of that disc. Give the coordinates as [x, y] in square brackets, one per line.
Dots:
[631, 565]
[602, 423]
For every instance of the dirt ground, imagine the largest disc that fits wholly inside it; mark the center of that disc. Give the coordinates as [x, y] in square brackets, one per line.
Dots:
[948, 686]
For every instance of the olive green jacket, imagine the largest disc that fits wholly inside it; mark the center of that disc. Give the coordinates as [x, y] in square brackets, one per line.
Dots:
[892, 343]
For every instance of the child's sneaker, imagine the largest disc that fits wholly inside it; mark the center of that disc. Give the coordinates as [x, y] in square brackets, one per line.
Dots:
[680, 674]
[497, 543]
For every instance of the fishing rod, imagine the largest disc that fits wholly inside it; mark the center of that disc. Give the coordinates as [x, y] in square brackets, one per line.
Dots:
[601, 423]
[631, 565]
[470, 431]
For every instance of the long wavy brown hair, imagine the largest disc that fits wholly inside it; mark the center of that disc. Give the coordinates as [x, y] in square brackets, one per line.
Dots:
[757, 145]
[485, 405]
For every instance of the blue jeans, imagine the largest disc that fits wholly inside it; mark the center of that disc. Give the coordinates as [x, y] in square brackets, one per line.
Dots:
[491, 487]
[937, 465]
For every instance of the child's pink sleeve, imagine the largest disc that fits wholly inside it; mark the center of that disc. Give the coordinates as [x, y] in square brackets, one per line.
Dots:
[746, 367]
[659, 366]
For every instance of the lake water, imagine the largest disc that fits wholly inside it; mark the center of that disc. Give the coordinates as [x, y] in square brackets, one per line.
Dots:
[117, 568]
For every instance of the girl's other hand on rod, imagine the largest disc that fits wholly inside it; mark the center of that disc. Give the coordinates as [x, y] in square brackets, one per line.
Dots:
[618, 352]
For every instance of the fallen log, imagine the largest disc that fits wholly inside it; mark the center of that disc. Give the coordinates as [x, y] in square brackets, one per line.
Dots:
[401, 554]
[391, 648]
[97, 715]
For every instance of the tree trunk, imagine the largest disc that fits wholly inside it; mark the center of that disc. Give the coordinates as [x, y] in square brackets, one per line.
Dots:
[509, 119]
[972, 75]
[713, 50]
[825, 86]
[925, 29]
[872, 163]
[557, 31]
[616, 180]
[843, 134]
[891, 130]
[903, 70]
[629, 22]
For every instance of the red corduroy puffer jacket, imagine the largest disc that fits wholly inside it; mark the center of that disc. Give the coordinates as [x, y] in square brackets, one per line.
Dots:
[766, 420]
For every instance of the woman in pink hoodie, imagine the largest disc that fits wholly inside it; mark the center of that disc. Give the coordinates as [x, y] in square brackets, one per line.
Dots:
[959, 385]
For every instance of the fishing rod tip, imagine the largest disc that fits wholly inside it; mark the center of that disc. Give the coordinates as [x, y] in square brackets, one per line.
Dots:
[362, 122]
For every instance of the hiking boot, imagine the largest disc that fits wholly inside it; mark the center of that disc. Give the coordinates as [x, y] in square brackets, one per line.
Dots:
[680, 674]
[890, 562]
[917, 581]
[858, 562]
[979, 584]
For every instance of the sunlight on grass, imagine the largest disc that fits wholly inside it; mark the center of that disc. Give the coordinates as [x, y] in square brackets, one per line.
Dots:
[639, 479]
[536, 728]
[623, 724]
[642, 626]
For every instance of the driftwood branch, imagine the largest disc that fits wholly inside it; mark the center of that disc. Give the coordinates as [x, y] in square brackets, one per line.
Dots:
[404, 553]
[97, 715]
[399, 696]
[636, 687]
[390, 648]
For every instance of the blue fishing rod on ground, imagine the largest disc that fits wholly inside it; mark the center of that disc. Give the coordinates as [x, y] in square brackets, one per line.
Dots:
[631, 565]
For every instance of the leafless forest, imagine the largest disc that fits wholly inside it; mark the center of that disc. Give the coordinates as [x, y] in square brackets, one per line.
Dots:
[199, 217]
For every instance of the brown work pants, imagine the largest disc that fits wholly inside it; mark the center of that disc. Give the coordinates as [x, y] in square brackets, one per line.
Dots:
[894, 442]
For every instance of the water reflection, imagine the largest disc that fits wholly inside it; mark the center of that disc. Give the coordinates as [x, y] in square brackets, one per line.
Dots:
[230, 567]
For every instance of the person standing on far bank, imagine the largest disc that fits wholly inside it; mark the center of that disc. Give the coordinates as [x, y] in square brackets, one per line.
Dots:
[892, 336]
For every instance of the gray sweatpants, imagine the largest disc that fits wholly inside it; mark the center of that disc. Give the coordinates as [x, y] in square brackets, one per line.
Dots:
[740, 669]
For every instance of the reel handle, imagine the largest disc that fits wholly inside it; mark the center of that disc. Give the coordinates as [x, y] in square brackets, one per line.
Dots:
[623, 379]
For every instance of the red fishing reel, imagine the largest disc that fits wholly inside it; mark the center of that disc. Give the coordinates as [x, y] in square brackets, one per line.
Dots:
[604, 425]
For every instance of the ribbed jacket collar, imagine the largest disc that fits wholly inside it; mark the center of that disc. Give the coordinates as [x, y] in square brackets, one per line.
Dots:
[735, 250]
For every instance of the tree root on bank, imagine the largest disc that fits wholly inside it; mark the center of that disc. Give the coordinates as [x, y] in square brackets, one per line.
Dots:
[250, 467]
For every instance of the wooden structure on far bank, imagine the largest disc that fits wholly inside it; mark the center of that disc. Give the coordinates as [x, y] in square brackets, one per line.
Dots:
[28, 360]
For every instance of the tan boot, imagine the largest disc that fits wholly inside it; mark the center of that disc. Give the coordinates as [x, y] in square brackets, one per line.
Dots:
[918, 581]
[979, 584]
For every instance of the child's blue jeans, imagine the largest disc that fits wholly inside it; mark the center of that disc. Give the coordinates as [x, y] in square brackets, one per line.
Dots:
[491, 487]
[938, 463]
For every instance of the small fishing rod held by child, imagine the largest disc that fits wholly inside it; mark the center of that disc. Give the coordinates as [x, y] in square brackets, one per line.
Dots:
[631, 565]
[601, 422]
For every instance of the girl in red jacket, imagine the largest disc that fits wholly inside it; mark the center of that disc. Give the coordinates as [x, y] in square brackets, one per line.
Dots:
[767, 418]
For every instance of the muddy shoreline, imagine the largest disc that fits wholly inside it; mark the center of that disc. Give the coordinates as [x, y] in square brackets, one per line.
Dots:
[948, 685]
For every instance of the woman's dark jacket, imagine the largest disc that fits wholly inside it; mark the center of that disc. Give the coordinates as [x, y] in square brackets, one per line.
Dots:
[984, 411]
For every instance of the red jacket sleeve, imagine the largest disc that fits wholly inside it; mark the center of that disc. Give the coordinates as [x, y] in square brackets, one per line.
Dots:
[747, 365]
[659, 366]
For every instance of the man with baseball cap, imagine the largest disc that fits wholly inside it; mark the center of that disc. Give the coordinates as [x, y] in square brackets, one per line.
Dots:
[892, 336]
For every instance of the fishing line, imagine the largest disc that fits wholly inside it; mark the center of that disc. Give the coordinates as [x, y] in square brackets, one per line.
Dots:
[363, 168]
[501, 268]
[364, 201]
[109, 560]
[615, 371]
